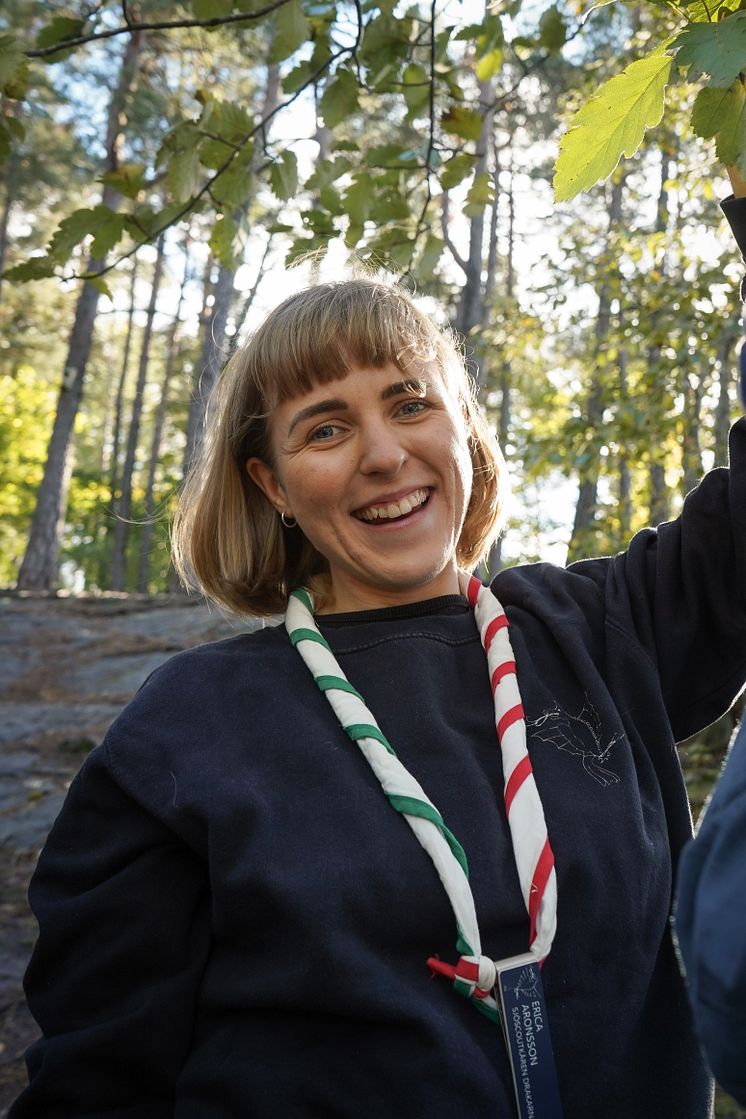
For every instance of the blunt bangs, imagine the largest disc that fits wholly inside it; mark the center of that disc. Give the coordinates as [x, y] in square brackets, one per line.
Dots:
[318, 335]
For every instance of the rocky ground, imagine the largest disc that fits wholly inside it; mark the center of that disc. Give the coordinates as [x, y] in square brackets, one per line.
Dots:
[67, 667]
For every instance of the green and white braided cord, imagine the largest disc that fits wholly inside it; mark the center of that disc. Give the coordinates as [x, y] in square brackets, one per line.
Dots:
[402, 790]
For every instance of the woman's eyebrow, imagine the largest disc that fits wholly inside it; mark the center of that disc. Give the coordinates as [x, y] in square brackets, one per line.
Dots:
[413, 385]
[317, 409]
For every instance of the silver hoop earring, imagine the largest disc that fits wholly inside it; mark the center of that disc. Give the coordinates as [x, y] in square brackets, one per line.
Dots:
[289, 522]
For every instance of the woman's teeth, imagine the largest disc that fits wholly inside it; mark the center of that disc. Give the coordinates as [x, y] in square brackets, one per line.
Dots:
[394, 509]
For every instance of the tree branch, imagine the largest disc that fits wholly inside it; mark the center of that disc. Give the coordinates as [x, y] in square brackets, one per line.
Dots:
[207, 186]
[445, 198]
[420, 227]
[131, 26]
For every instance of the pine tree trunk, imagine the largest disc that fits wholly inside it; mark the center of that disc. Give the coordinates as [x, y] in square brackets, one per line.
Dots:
[494, 560]
[470, 311]
[8, 200]
[39, 567]
[119, 401]
[210, 362]
[124, 506]
[248, 302]
[585, 508]
[214, 350]
[146, 539]
[659, 496]
[625, 479]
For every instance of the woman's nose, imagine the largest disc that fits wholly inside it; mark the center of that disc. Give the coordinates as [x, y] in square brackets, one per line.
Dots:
[381, 450]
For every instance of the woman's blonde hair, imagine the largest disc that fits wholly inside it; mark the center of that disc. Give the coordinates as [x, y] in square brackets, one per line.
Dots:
[228, 540]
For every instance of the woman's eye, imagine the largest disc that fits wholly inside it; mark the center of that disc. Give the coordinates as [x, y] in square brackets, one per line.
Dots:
[322, 433]
[413, 407]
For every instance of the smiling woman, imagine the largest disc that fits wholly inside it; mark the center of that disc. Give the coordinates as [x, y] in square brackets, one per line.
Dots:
[258, 882]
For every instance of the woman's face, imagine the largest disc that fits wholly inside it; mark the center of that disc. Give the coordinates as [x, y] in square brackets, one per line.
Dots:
[376, 470]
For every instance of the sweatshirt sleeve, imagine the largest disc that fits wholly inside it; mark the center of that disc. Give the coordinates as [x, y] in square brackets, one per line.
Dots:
[680, 592]
[710, 927]
[123, 913]
[735, 213]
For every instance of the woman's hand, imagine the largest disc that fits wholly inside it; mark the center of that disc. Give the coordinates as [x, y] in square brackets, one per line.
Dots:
[737, 182]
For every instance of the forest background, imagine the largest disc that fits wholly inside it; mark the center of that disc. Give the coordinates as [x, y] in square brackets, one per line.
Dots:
[180, 156]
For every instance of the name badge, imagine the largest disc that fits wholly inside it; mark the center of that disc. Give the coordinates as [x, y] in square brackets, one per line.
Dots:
[526, 1028]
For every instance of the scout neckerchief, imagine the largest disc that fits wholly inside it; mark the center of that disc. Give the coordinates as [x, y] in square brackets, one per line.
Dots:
[475, 975]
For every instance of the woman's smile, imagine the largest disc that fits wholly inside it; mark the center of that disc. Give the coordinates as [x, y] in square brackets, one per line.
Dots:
[394, 507]
[376, 470]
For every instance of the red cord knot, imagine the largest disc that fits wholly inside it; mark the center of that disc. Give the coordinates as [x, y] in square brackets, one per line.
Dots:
[473, 976]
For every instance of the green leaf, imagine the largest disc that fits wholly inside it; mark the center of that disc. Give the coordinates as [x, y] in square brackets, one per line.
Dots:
[38, 268]
[358, 199]
[481, 193]
[283, 176]
[388, 206]
[15, 127]
[182, 138]
[108, 232]
[98, 221]
[128, 179]
[458, 168]
[430, 256]
[466, 123]
[291, 31]
[222, 236]
[183, 173]
[717, 49]
[299, 76]
[213, 153]
[552, 29]
[384, 43]
[612, 123]
[13, 67]
[416, 90]
[140, 224]
[722, 113]
[231, 122]
[386, 155]
[340, 98]
[57, 31]
[394, 246]
[490, 64]
[210, 9]
[702, 11]
[101, 286]
[234, 186]
[328, 171]
[10, 130]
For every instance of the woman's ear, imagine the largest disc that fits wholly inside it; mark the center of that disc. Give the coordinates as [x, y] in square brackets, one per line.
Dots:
[263, 476]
